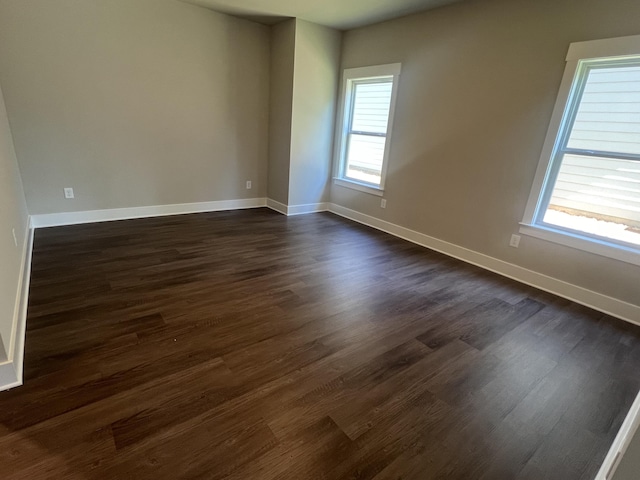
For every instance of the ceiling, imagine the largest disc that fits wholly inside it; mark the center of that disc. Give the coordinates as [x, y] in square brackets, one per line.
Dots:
[340, 14]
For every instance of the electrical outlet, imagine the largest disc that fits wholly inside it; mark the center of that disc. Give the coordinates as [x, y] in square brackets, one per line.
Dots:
[383, 203]
[68, 193]
[15, 239]
[248, 184]
[515, 241]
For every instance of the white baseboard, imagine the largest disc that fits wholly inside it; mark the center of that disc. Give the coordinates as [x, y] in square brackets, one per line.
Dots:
[629, 427]
[11, 371]
[277, 206]
[309, 208]
[597, 301]
[297, 209]
[92, 216]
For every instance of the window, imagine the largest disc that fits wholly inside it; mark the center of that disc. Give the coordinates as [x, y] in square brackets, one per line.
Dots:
[364, 128]
[587, 188]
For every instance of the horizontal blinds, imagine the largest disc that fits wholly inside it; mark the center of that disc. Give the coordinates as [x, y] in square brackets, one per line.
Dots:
[371, 103]
[608, 118]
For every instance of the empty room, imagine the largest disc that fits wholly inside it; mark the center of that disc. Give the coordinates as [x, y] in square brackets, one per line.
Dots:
[285, 239]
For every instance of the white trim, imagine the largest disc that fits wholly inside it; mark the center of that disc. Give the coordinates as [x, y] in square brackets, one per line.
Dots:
[373, 71]
[579, 55]
[544, 163]
[11, 371]
[277, 206]
[344, 114]
[629, 427]
[308, 208]
[92, 216]
[609, 305]
[347, 183]
[297, 209]
[608, 47]
[580, 242]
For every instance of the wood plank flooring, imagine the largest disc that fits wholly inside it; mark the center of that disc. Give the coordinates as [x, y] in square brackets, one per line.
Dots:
[249, 345]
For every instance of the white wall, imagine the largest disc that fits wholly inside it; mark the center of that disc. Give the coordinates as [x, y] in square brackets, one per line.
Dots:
[478, 86]
[13, 216]
[134, 103]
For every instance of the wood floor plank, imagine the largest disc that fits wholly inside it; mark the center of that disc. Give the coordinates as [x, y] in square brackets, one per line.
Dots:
[250, 345]
[362, 413]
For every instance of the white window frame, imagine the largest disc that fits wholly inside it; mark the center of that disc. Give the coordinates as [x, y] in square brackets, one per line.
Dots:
[580, 55]
[350, 77]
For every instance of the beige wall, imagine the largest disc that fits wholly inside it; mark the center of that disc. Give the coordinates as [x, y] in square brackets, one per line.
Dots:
[13, 216]
[305, 67]
[283, 44]
[315, 88]
[479, 81]
[133, 103]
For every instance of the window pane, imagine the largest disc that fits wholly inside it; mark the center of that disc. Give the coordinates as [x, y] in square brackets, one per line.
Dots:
[371, 107]
[608, 118]
[600, 196]
[364, 158]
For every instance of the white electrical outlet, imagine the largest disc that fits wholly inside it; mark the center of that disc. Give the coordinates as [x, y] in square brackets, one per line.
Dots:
[383, 203]
[68, 193]
[515, 241]
[15, 239]
[248, 184]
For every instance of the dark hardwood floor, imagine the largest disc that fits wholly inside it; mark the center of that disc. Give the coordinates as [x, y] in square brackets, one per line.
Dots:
[248, 345]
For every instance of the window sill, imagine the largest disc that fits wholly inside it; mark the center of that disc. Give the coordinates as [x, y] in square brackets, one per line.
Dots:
[362, 187]
[583, 242]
